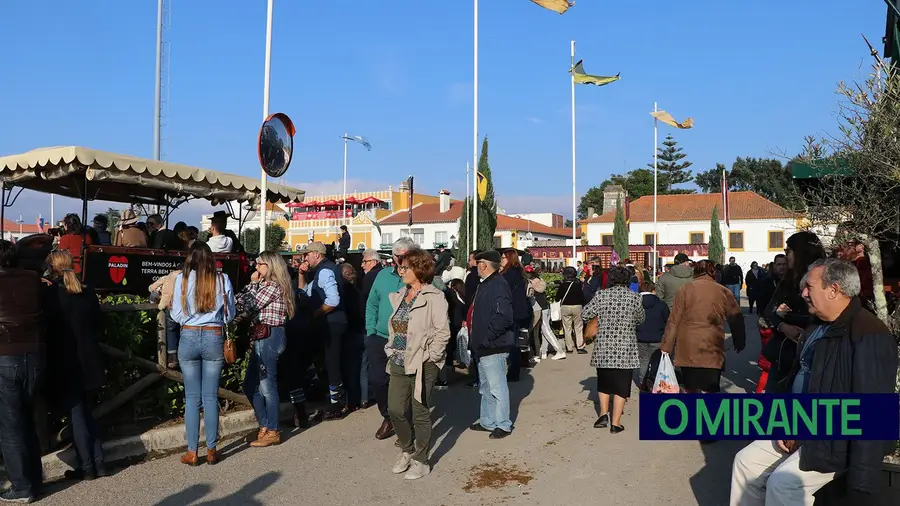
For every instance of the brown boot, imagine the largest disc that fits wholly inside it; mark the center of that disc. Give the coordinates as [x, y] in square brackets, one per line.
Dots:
[190, 458]
[260, 434]
[211, 457]
[271, 437]
[385, 431]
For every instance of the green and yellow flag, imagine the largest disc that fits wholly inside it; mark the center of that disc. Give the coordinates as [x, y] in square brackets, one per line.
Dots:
[557, 6]
[669, 120]
[582, 78]
[482, 186]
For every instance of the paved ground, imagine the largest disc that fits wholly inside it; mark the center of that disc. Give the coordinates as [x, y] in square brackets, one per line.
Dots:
[554, 448]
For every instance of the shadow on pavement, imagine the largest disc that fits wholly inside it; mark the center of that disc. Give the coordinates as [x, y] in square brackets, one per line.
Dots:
[712, 483]
[459, 407]
[246, 496]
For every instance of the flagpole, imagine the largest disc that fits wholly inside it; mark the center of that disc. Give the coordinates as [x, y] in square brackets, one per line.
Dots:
[471, 242]
[263, 180]
[344, 209]
[475, 133]
[574, 196]
[655, 191]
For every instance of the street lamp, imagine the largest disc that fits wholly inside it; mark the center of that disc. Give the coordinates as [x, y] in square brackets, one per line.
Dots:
[365, 143]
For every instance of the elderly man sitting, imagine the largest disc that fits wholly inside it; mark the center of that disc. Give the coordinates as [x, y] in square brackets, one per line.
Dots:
[845, 350]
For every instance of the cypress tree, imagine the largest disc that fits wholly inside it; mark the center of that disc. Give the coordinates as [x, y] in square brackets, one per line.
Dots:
[716, 246]
[620, 232]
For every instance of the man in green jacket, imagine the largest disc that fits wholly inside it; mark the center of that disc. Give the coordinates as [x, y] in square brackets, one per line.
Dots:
[378, 317]
[681, 274]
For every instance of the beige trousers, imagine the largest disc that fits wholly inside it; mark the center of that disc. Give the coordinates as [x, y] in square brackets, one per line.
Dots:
[572, 323]
[763, 475]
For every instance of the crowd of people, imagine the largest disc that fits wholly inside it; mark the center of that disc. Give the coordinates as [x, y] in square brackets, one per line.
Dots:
[392, 334]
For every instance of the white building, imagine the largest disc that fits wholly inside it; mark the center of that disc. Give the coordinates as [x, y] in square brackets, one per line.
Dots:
[435, 224]
[548, 219]
[756, 231]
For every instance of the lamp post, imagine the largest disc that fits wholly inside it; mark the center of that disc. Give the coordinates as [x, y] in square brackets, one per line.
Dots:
[365, 143]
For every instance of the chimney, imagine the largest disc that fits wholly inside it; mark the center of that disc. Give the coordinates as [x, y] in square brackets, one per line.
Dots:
[445, 200]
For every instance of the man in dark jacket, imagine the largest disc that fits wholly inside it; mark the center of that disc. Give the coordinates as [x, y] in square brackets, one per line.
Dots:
[491, 335]
[22, 359]
[472, 278]
[443, 260]
[733, 279]
[846, 350]
[650, 332]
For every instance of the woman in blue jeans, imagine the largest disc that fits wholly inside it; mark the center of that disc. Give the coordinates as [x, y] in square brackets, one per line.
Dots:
[202, 303]
[269, 298]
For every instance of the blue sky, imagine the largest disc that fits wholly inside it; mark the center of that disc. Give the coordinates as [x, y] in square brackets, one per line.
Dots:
[756, 76]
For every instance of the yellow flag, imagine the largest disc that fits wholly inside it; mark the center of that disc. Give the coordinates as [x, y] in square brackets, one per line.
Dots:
[669, 120]
[557, 6]
[482, 186]
[581, 78]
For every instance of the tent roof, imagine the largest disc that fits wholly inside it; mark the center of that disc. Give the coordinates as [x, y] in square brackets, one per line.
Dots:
[123, 178]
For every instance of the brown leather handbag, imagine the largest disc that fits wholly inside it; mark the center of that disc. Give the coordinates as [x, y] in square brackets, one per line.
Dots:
[229, 349]
[590, 329]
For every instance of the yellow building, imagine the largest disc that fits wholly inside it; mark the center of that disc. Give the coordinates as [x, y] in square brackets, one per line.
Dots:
[322, 223]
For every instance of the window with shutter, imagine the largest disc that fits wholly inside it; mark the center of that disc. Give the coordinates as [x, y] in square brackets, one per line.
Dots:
[697, 238]
[736, 240]
[776, 240]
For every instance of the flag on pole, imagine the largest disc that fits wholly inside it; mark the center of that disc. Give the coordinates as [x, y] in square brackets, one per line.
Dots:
[669, 120]
[725, 199]
[581, 78]
[482, 186]
[557, 6]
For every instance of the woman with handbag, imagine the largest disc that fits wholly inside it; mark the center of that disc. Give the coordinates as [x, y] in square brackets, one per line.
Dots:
[269, 298]
[619, 311]
[203, 304]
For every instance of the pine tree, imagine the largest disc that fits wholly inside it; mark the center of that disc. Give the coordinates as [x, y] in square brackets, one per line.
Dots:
[620, 232]
[716, 246]
[672, 166]
[487, 208]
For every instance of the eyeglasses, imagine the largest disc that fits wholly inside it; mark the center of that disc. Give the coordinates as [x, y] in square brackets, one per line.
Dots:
[369, 260]
[402, 268]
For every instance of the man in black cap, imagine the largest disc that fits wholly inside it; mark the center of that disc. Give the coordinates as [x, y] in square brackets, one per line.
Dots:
[491, 336]
[681, 274]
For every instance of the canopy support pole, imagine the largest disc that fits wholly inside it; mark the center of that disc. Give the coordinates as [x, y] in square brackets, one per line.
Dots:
[2, 210]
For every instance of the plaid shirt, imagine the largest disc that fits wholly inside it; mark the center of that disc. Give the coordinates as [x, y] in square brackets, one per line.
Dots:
[265, 301]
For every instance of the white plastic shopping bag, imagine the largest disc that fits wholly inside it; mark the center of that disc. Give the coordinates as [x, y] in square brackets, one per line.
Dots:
[462, 346]
[666, 382]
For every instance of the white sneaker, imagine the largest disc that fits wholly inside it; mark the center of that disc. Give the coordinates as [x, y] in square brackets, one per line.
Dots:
[417, 470]
[543, 356]
[559, 356]
[402, 463]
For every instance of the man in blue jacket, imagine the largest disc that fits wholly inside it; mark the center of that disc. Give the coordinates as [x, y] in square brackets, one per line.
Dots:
[491, 335]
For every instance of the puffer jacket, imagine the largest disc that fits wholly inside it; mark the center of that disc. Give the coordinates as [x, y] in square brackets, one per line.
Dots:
[21, 329]
[670, 282]
[656, 314]
[492, 326]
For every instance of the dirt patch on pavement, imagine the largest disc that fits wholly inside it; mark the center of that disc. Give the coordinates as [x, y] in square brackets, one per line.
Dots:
[496, 475]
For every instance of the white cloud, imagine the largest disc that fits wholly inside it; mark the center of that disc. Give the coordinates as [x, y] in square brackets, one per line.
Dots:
[536, 121]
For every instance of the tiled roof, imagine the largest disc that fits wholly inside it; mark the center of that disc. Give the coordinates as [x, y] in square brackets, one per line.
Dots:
[699, 207]
[27, 228]
[431, 213]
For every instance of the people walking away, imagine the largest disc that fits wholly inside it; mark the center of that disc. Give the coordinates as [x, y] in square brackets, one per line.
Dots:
[354, 342]
[329, 321]
[378, 317]
[571, 303]
[753, 282]
[619, 311]
[203, 304]
[74, 239]
[545, 337]
[101, 228]
[845, 350]
[269, 300]
[787, 312]
[75, 369]
[22, 357]
[419, 333]
[129, 235]
[650, 332]
[696, 329]
[679, 275]
[491, 335]
[733, 278]
[511, 270]
[344, 245]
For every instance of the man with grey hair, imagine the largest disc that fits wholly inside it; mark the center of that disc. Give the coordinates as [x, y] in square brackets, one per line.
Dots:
[846, 350]
[378, 316]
